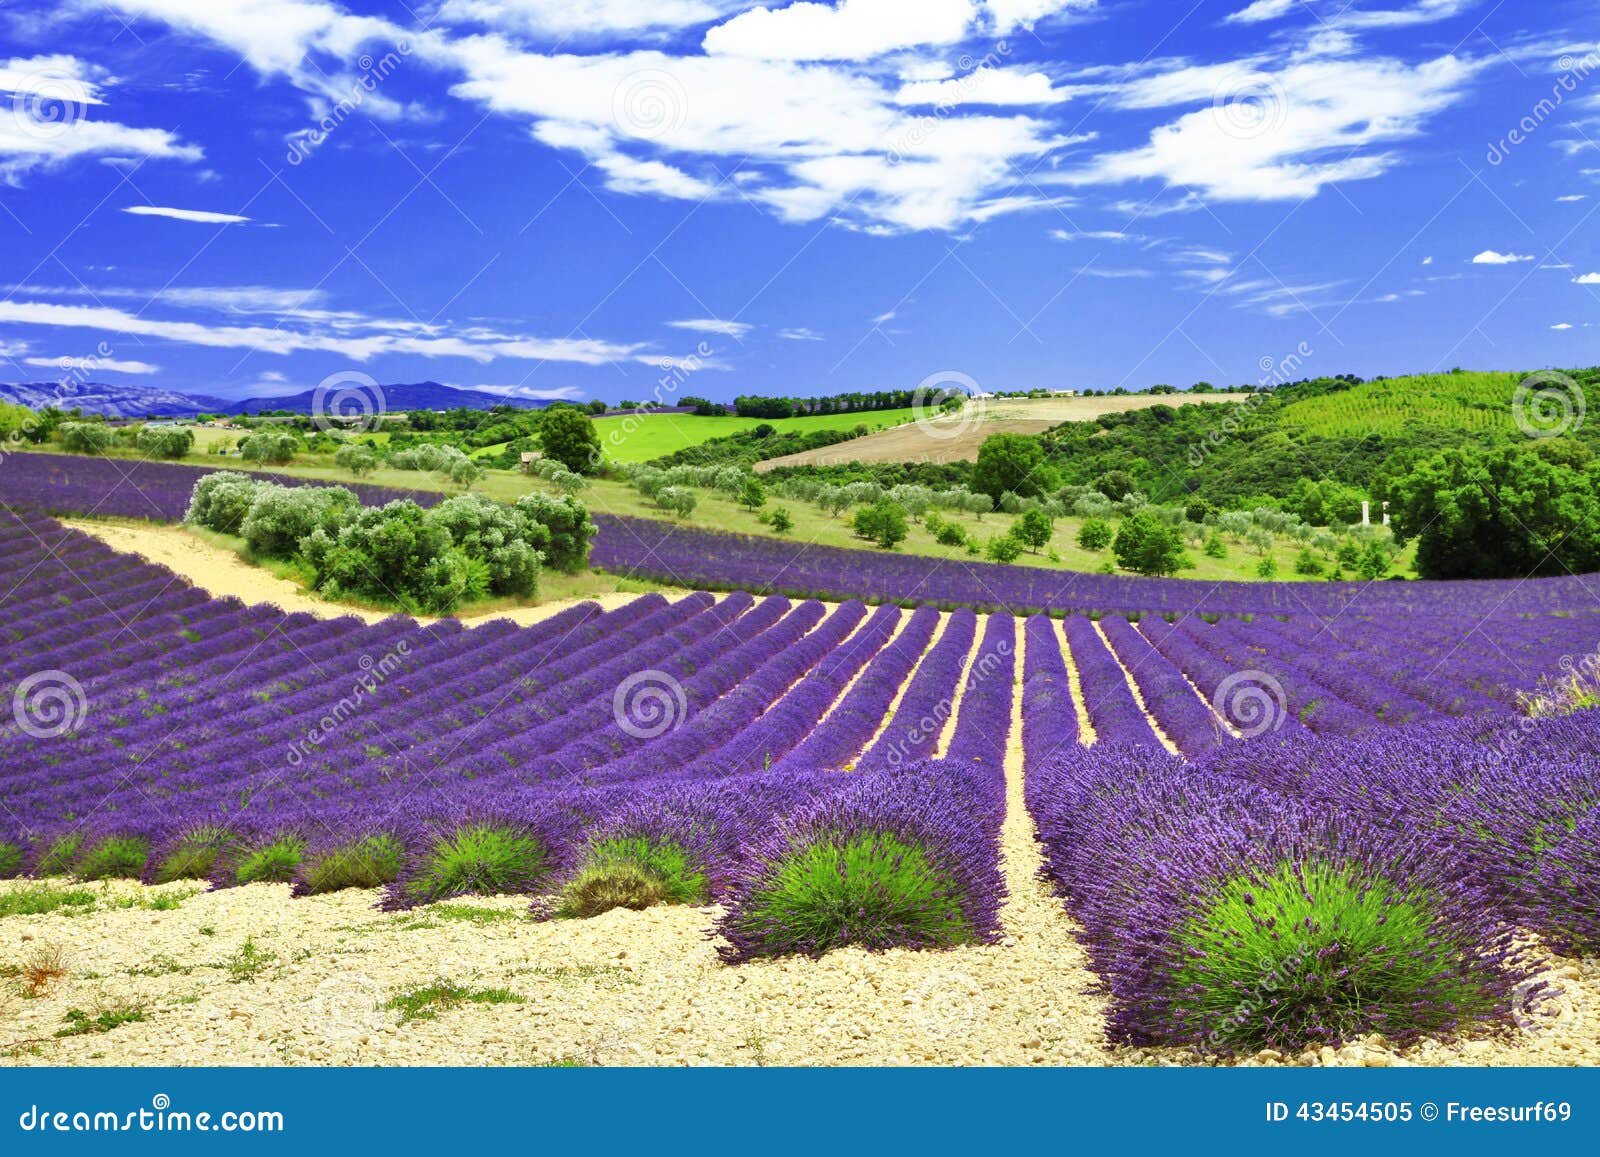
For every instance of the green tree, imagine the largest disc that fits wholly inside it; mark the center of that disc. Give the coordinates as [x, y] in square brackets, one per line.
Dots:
[269, 447]
[1033, 529]
[1215, 547]
[884, 522]
[1003, 548]
[85, 437]
[1374, 562]
[567, 435]
[753, 495]
[1013, 462]
[1307, 563]
[679, 500]
[1506, 513]
[164, 442]
[356, 457]
[780, 520]
[1267, 568]
[1115, 484]
[1095, 534]
[950, 534]
[1148, 546]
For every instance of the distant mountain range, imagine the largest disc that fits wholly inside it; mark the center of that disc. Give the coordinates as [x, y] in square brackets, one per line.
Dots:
[141, 401]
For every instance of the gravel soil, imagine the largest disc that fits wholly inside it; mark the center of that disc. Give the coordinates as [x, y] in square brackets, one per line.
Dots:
[174, 975]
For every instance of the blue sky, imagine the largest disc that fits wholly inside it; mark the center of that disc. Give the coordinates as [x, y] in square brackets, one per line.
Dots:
[586, 199]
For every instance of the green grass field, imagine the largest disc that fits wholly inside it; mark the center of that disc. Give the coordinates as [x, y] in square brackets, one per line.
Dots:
[642, 437]
[811, 525]
[1475, 402]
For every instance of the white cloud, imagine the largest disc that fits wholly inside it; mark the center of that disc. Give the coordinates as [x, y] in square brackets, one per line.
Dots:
[1587, 279]
[49, 124]
[1092, 235]
[886, 316]
[1112, 274]
[1009, 15]
[850, 30]
[13, 349]
[1260, 11]
[560, 19]
[1264, 135]
[1561, 325]
[94, 365]
[799, 333]
[1492, 257]
[358, 347]
[733, 329]
[1427, 261]
[1422, 12]
[556, 394]
[201, 216]
[1571, 197]
[1004, 86]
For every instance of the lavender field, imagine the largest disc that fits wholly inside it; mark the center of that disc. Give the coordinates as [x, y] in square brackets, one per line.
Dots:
[1353, 784]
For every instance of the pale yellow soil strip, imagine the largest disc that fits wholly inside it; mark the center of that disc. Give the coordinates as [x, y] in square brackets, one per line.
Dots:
[1080, 704]
[222, 574]
[1138, 696]
[947, 733]
[900, 693]
[1221, 719]
[1033, 918]
[894, 633]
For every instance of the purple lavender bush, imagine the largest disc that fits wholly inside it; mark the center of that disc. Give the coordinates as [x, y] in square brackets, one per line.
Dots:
[902, 858]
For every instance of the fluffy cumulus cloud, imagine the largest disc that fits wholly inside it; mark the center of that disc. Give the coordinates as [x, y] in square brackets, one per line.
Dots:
[1495, 257]
[849, 30]
[881, 115]
[56, 110]
[562, 19]
[1271, 134]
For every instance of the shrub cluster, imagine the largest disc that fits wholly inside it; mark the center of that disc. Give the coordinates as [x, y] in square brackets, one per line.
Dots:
[466, 548]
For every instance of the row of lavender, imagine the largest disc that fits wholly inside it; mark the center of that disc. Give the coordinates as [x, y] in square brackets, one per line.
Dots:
[697, 558]
[600, 758]
[1296, 889]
